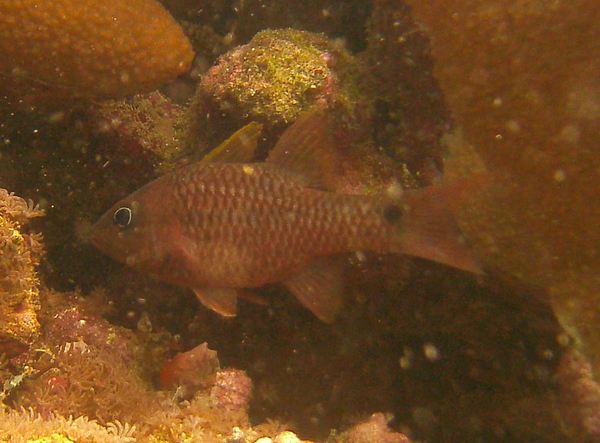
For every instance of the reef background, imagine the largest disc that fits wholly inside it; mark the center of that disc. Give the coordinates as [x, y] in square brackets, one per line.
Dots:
[445, 90]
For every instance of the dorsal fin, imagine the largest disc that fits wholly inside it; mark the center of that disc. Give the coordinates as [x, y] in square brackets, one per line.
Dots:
[239, 148]
[307, 149]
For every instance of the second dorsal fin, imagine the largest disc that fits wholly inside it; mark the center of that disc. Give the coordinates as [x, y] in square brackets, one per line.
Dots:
[307, 149]
[238, 148]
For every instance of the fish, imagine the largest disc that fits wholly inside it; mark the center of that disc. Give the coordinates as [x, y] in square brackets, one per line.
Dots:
[226, 224]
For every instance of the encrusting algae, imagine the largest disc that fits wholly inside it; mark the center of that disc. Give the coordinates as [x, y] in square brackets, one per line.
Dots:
[57, 49]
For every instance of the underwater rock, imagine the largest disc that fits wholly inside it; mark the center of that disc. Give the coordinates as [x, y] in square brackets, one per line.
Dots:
[191, 370]
[20, 254]
[374, 430]
[521, 80]
[410, 107]
[272, 79]
[67, 320]
[62, 49]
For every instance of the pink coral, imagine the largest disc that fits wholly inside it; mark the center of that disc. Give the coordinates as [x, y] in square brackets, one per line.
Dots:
[232, 390]
[374, 430]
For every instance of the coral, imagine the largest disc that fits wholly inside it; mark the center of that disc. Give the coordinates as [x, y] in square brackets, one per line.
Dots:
[453, 357]
[580, 395]
[148, 126]
[80, 380]
[82, 366]
[20, 254]
[96, 49]
[22, 426]
[231, 391]
[69, 318]
[374, 430]
[529, 112]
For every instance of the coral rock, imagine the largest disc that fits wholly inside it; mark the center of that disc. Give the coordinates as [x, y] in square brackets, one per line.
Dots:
[148, 127]
[57, 49]
[232, 390]
[580, 397]
[272, 78]
[521, 78]
[374, 430]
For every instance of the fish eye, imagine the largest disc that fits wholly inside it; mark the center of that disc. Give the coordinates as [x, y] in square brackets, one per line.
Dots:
[122, 217]
[392, 213]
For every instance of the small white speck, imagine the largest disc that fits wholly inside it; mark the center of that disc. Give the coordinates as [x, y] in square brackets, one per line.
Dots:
[431, 352]
[559, 176]
[570, 134]
[497, 102]
[513, 126]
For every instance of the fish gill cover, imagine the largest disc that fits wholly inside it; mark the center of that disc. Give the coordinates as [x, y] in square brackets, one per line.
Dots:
[493, 104]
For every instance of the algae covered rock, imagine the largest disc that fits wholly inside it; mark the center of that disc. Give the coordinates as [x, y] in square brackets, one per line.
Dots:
[19, 255]
[521, 78]
[272, 79]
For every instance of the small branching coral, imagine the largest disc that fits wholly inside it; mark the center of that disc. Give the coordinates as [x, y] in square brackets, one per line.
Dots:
[20, 253]
[26, 425]
[85, 381]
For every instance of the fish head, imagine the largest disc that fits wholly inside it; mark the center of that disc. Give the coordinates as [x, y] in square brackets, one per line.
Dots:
[133, 230]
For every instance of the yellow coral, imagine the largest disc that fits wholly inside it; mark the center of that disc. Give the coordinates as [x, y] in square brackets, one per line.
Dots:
[52, 49]
[54, 438]
[19, 256]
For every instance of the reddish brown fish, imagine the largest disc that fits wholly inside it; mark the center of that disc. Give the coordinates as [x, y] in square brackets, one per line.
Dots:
[223, 224]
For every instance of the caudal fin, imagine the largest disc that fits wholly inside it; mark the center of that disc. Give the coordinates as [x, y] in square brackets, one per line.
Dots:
[429, 230]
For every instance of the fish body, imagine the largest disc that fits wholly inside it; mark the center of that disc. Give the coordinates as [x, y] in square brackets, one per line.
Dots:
[219, 226]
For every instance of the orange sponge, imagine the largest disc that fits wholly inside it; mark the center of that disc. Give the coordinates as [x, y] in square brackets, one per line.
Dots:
[56, 49]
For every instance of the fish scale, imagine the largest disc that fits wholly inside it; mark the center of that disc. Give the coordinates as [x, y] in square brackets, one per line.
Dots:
[280, 232]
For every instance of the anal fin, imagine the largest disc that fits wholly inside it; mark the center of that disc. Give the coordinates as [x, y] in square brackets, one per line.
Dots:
[319, 287]
[221, 300]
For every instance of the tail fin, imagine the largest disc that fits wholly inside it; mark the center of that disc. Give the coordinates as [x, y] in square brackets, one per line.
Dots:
[429, 230]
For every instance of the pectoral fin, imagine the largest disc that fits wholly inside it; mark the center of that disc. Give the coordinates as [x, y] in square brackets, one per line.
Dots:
[221, 300]
[319, 288]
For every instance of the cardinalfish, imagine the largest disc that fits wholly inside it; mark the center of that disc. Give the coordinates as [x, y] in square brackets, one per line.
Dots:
[225, 224]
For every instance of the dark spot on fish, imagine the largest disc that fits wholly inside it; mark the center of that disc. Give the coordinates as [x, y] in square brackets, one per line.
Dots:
[392, 213]
[122, 217]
